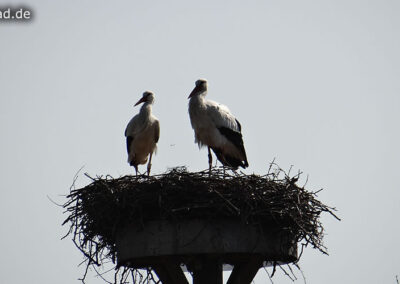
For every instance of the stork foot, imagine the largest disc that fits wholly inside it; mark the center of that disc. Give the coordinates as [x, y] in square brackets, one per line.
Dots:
[148, 169]
[209, 161]
[149, 164]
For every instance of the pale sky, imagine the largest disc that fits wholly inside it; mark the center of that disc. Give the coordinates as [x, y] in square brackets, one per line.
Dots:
[315, 84]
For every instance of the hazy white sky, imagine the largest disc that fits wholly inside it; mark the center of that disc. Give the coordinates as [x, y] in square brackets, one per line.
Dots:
[315, 84]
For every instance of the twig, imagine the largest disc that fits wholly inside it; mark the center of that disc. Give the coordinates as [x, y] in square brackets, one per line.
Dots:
[287, 274]
[269, 276]
[301, 271]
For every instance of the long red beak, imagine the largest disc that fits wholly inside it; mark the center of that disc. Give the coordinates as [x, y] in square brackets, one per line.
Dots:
[142, 100]
[195, 90]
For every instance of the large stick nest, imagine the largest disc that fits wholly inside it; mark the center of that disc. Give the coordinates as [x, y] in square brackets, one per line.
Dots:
[97, 210]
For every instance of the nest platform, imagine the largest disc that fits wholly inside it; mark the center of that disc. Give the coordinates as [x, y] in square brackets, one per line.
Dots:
[202, 220]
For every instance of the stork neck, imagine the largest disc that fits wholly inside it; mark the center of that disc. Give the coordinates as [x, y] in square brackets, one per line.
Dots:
[197, 103]
[200, 97]
[145, 110]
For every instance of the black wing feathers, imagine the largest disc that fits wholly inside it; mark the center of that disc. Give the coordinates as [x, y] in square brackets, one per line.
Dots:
[236, 138]
[129, 140]
[239, 126]
[157, 132]
[227, 160]
[233, 136]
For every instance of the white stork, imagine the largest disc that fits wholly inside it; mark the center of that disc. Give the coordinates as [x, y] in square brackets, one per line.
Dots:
[215, 127]
[142, 134]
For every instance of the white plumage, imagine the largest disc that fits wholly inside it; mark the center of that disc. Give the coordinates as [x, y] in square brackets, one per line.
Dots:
[142, 134]
[215, 127]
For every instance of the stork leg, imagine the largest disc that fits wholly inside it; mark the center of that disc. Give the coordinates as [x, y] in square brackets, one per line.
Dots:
[209, 160]
[136, 169]
[149, 164]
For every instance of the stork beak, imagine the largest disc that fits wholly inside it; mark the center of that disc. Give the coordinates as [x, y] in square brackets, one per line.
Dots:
[142, 100]
[195, 90]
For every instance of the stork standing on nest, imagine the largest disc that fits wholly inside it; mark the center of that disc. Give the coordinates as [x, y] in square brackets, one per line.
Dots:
[215, 127]
[142, 134]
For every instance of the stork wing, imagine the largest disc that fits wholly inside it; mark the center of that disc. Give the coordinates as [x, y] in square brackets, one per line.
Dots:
[156, 131]
[130, 131]
[129, 140]
[133, 127]
[229, 127]
[239, 126]
[222, 117]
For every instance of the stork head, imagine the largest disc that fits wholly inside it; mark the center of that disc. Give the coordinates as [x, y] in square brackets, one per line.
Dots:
[148, 97]
[201, 87]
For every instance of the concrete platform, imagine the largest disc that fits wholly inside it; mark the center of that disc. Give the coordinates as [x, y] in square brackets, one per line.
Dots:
[203, 246]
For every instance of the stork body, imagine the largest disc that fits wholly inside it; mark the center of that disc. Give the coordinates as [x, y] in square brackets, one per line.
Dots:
[142, 134]
[215, 127]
